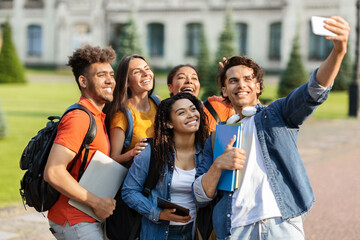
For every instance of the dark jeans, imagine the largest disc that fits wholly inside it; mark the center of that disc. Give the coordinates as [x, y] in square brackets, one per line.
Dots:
[182, 232]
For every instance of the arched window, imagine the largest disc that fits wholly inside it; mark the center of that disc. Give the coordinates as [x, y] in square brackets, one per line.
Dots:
[242, 35]
[275, 41]
[193, 35]
[155, 39]
[34, 40]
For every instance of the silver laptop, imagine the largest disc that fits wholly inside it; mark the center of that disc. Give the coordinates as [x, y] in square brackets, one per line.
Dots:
[102, 177]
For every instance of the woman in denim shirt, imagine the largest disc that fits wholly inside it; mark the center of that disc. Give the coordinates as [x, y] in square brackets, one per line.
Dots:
[180, 134]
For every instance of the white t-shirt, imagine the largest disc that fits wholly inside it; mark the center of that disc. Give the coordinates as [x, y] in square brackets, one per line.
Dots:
[181, 193]
[254, 200]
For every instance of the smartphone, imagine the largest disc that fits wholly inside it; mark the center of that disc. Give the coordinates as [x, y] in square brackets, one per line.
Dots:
[165, 204]
[317, 24]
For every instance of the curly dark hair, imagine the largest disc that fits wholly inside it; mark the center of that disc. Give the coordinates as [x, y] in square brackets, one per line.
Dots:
[241, 60]
[174, 70]
[83, 57]
[122, 91]
[164, 145]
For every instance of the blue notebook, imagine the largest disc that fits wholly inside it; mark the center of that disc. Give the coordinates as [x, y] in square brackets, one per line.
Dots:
[229, 179]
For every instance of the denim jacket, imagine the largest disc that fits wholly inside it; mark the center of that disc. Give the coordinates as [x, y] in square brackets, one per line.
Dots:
[277, 128]
[151, 226]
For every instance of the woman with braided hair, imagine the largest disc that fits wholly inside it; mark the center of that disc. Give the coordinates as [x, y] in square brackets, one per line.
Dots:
[180, 134]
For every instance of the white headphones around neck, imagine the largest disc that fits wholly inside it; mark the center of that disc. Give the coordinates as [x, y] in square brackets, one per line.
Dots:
[246, 111]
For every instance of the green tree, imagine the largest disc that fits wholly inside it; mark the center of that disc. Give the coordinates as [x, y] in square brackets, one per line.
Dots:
[203, 61]
[226, 49]
[294, 74]
[130, 40]
[345, 75]
[11, 68]
[3, 125]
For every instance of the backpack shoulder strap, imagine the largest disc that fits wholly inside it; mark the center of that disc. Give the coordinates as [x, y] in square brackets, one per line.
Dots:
[91, 133]
[88, 139]
[212, 111]
[212, 135]
[156, 99]
[150, 182]
[129, 117]
[129, 130]
[153, 174]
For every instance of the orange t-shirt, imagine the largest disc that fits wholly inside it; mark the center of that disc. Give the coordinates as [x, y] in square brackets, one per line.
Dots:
[223, 110]
[71, 132]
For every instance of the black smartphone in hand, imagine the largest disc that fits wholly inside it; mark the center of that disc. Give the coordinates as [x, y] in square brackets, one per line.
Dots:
[165, 204]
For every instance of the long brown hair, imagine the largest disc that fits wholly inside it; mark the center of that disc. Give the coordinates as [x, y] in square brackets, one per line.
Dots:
[164, 145]
[122, 91]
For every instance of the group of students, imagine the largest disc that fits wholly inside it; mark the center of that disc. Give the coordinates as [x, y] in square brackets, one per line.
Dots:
[275, 193]
[179, 127]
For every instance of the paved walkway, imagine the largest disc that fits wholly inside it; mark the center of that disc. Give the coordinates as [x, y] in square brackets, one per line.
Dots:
[331, 152]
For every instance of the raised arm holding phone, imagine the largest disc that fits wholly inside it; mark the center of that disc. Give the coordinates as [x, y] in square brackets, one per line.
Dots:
[276, 192]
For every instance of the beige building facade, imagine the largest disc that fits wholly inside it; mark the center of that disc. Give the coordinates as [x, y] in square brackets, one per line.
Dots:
[46, 32]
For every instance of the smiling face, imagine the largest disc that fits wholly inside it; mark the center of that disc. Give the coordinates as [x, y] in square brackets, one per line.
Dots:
[241, 87]
[185, 118]
[99, 83]
[185, 80]
[140, 76]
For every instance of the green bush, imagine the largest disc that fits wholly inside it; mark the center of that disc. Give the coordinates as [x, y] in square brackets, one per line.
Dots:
[345, 75]
[226, 49]
[11, 68]
[130, 41]
[294, 74]
[3, 125]
[203, 62]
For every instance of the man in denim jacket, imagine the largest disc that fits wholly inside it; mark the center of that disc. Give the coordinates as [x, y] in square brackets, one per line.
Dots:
[275, 191]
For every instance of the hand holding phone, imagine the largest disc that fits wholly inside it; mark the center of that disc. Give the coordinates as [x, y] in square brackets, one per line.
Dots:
[165, 204]
[317, 24]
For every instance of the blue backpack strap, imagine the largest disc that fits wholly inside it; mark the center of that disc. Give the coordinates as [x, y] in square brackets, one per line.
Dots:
[156, 99]
[128, 115]
[129, 130]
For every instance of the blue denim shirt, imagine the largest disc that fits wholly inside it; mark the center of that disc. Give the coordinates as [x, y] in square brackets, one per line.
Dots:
[151, 226]
[277, 128]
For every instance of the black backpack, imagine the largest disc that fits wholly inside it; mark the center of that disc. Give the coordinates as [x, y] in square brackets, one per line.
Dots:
[34, 191]
[125, 222]
[212, 111]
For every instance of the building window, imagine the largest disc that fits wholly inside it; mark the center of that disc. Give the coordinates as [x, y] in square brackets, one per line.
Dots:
[34, 40]
[34, 4]
[6, 4]
[81, 35]
[275, 41]
[319, 47]
[241, 30]
[193, 35]
[155, 39]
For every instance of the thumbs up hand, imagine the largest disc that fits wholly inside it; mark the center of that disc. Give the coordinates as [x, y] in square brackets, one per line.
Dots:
[232, 158]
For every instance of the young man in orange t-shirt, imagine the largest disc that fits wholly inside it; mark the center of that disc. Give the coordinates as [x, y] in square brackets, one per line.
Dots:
[95, 78]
